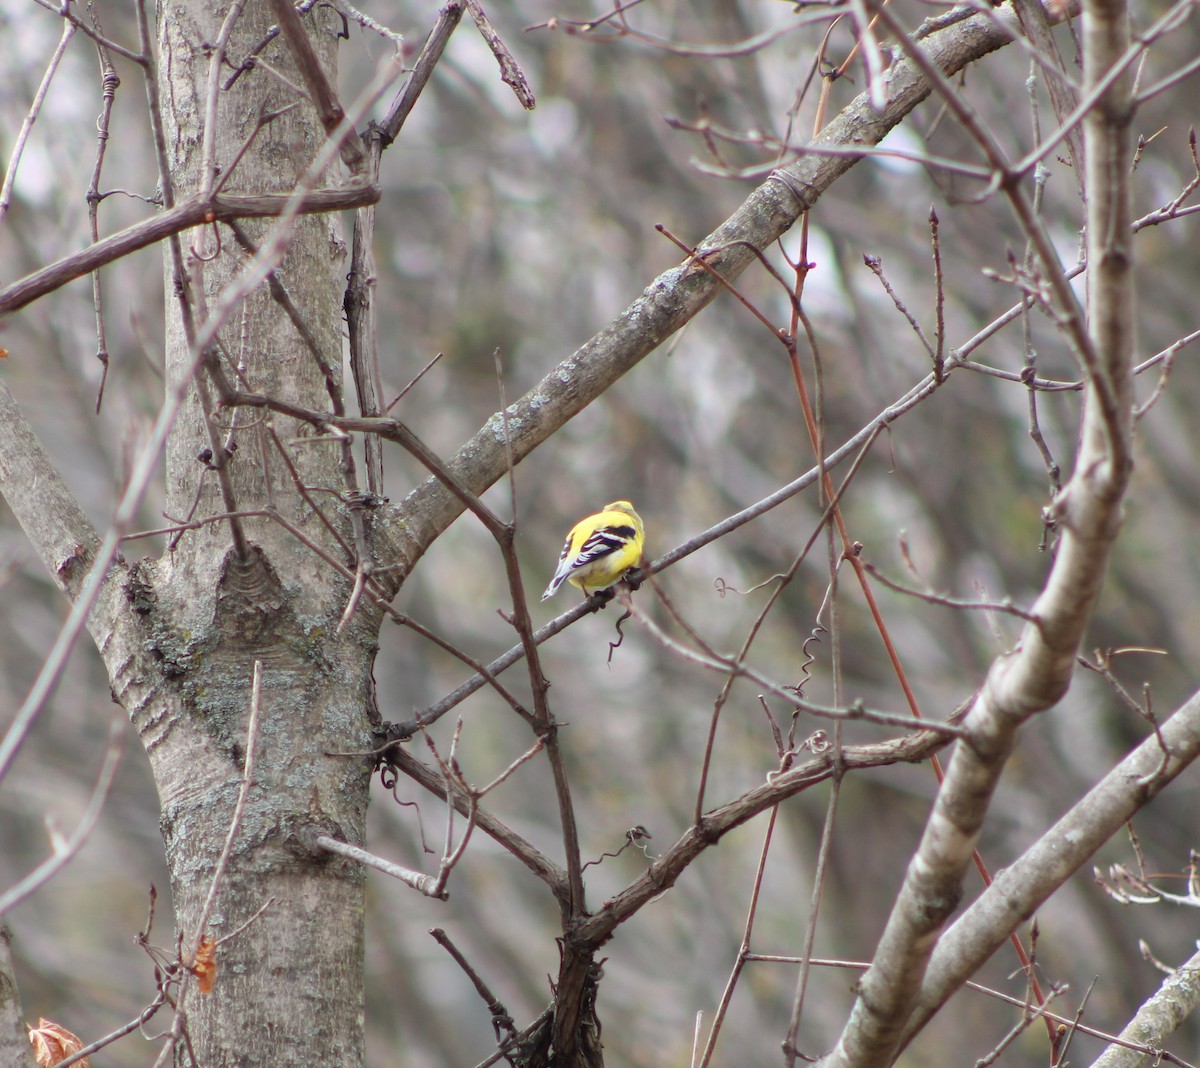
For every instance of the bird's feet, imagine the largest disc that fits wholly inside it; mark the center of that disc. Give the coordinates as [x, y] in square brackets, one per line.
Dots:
[634, 577]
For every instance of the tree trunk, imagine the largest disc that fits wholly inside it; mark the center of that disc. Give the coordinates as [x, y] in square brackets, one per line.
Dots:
[289, 987]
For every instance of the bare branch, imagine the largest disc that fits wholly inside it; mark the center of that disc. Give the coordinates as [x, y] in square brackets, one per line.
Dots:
[510, 70]
[426, 884]
[184, 216]
[14, 160]
[1021, 888]
[529, 855]
[320, 90]
[431, 51]
[719, 821]
[1035, 676]
[1157, 1018]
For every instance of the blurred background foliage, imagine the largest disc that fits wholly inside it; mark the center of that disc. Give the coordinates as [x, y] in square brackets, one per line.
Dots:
[523, 234]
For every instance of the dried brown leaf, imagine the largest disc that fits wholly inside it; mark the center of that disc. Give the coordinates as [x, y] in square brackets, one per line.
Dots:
[204, 968]
[53, 1043]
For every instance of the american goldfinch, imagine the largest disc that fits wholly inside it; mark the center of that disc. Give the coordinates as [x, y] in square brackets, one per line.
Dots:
[600, 550]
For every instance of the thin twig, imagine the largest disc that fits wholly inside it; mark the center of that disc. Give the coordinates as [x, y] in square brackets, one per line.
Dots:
[63, 850]
[138, 1021]
[448, 19]
[321, 91]
[791, 1052]
[108, 91]
[31, 116]
[501, 1020]
[510, 70]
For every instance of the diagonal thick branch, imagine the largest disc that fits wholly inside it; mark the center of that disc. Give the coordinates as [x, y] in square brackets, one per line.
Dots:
[681, 293]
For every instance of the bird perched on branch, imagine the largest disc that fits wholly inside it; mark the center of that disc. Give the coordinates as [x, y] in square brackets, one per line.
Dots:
[600, 550]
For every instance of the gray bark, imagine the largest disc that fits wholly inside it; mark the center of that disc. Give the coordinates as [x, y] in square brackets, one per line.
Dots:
[290, 986]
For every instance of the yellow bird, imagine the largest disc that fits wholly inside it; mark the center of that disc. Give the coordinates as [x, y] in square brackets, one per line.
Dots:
[600, 550]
